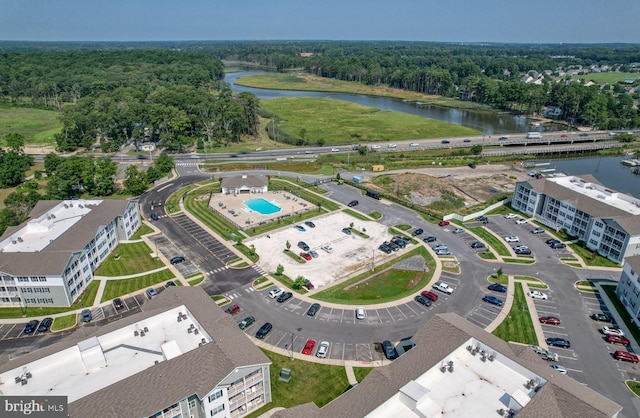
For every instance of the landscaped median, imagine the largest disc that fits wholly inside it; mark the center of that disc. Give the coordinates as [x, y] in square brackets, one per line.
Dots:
[64, 322]
[119, 287]
[492, 241]
[517, 326]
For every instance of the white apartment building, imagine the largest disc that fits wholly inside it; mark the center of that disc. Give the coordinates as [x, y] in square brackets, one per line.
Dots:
[606, 220]
[628, 290]
[50, 259]
[181, 357]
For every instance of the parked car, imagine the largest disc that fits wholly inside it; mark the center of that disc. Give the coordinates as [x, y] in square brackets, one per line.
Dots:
[353, 203]
[360, 313]
[151, 293]
[306, 256]
[303, 246]
[308, 285]
[310, 224]
[536, 294]
[232, 309]
[264, 330]
[154, 217]
[86, 315]
[392, 146]
[544, 353]
[45, 325]
[284, 297]
[422, 300]
[601, 317]
[308, 347]
[558, 342]
[323, 349]
[445, 141]
[118, 304]
[493, 300]
[443, 287]
[389, 350]
[522, 251]
[521, 221]
[300, 228]
[432, 296]
[550, 320]
[314, 254]
[439, 247]
[626, 356]
[274, 293]
[176, 260]
[559, 368]
[612, 331]
[558, 245]
[30, 327]
[510, 216]
[246, 322]
[443, 252]
[418, 231]
[346, 231]
[617, 339]
[170, 283]
[482, 219]
[537, 231]
[392, 245]
[313, 309]
[444, 223]
[458, 231]
[551, 241]
[497, 287]
[327, 249]
[477, 244]
[512, 238]
[430, 238]
[385, 249]
[399, 242]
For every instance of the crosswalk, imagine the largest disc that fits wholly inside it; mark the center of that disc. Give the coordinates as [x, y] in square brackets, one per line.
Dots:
[259, 269]
[212, 272]
[187, 164]
[236, 295]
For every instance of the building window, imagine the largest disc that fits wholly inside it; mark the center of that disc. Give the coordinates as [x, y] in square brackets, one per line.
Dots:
[215, 395]
[217, 410]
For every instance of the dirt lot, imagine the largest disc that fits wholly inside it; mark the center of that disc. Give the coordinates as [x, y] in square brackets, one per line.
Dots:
[350, 252]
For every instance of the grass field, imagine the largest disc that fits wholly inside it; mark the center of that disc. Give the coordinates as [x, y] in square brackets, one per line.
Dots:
[115, 288]
[36, 125]
[143, 230]
[491, 240]
[361, 372]
[337, 122]
[610, 78]
[134, 258]
[517, 326]
[590, 260]
[64, 322]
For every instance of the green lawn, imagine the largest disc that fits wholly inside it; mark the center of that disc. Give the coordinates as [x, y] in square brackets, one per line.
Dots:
[519, 260]
[532, 281]
[195, 282]
[608, 77]
[592, 259]
[611, 292]
[491, 240]
[64, 322]
[633, 386]
[115, 288]
[387, 286]
[375, 215]
[332, 121]
[487, 255]
[310, 382]
[517, 326]
[276, 184]
[361, 372]
[143, 230]
[134, 258]
[248, 252]
[356, 215]
[37, 126]
[210, 218]
[84, 301]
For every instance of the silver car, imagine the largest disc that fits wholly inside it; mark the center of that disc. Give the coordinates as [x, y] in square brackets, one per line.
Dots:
[323, 349]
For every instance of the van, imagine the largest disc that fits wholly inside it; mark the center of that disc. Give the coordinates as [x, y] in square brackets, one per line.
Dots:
[373, 194]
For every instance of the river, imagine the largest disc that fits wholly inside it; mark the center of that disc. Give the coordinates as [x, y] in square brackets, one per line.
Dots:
[488, 122]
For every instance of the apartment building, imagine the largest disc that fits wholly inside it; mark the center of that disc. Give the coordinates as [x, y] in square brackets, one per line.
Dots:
[628, 290]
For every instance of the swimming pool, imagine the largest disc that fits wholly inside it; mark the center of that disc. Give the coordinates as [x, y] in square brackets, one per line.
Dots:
[262, 206]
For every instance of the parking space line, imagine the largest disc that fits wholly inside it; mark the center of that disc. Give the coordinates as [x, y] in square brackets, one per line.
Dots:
[398, 308]
[553, 332]
[482, 324]
[575, 370]
[482, 316]
[8, 332]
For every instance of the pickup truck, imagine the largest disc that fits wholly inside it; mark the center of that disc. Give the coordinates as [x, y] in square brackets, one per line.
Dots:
[544, 353]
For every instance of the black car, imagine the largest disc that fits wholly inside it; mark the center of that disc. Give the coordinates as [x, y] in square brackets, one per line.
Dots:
[399, 242]
[522, 251]
[385, 249]
[118, 304]
[45, 325]
[418, 231]
[313, 309]
[558, 245]
[264, 330]
[482, 219]
[558, 342]
[353, 203]
[310, 224]
[445, 141]
[170, 283]
[178, 259]
[284, 297]
[422, 300]
[601, 317]
[154, 217]
[303, 246]
[472, 165]
[392, 245]
[430, 238]
[477, 244]
[497, 287]
[551, 241]
[346, 231]
[30, 327]
[389, 350]
[246, 322]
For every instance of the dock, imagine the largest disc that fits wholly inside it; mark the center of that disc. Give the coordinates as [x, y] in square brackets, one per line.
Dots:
[631, 162]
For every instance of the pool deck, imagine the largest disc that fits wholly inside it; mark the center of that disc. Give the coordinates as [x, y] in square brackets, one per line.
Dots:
[234, 210]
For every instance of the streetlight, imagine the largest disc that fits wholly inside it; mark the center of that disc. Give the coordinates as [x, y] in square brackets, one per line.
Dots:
[373, 259]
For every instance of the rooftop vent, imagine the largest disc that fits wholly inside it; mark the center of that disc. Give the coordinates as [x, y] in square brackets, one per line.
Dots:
[20, 239]
[80, 205]
[66, 206]
[53, 216]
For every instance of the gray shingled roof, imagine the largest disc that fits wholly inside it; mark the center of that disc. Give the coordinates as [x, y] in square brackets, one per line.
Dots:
[560, 397]
[194, 372]
[634, 262]
[54, 257]
[239, 181]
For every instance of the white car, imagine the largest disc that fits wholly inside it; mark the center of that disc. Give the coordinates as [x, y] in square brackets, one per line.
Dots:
[443, 287]
[323, 349]
[276, 292]
[361, 313]
[335, 149]
[560, 369]
[521, 221]
[612, 331]
[414, 144]
[536, 294]
[327, 249]
[512, 238]
[510, 216]
[375, 147]
[392, 146]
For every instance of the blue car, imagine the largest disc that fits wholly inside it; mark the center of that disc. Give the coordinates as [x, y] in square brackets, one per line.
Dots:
[497, 287]
[31, 326]
[300, 228]
[422, 300]
[558, 342]
[493, 300]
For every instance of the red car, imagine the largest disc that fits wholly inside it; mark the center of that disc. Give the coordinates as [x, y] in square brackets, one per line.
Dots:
[308, 347]
[626, 356]
[233, 309]
[617, 339]
[306, 256]
[430, 295]
[551, 320]
[444, 223]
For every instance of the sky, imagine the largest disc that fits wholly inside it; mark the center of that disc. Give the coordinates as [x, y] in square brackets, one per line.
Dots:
[511, 21]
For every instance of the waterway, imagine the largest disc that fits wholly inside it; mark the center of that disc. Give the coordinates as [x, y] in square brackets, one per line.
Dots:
[487, 122]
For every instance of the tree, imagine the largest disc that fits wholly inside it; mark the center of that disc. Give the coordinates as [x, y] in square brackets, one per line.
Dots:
[164, 163]
[279, 270]
[288, 245]
[104, 177]
[8, 218]
[499, 273]
[15, 142]
[21, 203]
[13, 168]
[135, 181]
[299, 282]
[476, 149]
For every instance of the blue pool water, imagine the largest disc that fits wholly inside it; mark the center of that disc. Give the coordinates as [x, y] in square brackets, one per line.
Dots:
[262, 206]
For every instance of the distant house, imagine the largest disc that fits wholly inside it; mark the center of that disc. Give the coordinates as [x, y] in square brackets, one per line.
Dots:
[306, 54]
[147, 146]
[465, 94]
[526, 79]
[552, 112]
[245, 184]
